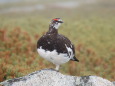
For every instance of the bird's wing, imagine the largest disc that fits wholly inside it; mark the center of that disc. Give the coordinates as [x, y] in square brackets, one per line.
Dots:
[64, 45]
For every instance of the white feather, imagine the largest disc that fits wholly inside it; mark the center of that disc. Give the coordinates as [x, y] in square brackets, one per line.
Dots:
[56, 26]
[70, 51]
[53, 56]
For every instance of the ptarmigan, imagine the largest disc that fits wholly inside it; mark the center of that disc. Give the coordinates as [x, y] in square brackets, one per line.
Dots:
[55, 47]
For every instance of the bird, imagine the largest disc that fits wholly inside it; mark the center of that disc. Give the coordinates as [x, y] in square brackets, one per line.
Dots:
[54, 47]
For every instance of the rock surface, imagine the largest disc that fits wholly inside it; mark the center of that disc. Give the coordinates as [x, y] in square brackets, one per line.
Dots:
[49, 77]
[114, 83]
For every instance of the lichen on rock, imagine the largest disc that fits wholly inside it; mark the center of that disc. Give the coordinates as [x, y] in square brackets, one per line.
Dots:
[49, 77]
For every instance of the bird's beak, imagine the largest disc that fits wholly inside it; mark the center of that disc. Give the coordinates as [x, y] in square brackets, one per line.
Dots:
[61, 22]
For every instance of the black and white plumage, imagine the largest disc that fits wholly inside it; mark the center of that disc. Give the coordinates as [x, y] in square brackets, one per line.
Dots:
[54, 47]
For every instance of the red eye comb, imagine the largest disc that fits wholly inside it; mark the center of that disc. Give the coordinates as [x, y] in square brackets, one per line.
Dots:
[55, 19]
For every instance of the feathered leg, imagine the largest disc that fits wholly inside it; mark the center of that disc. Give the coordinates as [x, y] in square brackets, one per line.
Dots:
[57, 67]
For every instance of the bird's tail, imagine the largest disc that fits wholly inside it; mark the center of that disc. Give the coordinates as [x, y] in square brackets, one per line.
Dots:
[75, 59]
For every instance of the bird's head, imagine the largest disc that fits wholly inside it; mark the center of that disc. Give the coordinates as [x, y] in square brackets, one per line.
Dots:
[55, 23]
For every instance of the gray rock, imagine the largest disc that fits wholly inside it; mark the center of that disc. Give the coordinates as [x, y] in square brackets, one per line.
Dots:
[49, 77]
[114, 83]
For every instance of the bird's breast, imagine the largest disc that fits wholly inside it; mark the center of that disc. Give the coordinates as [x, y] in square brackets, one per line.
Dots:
[53, 56]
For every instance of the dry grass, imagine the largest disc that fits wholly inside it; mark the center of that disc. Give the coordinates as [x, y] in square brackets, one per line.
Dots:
[18, 57]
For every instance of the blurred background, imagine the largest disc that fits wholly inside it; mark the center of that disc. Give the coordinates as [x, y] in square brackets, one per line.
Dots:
[89, 24]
